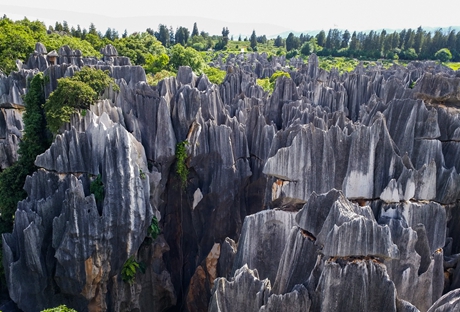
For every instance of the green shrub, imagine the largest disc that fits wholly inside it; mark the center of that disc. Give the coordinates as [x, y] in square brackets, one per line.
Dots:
[268, 84]
[292, 53]
[96, 79]
[156, 63]
[154, 229]
[278, 74]
[215, 75]
[61, 308]
[97, 188]
[69, 96]
[72, 94]
[181, 166]
[265, 84]
[181, 56]
[444, 55]
[34, 142]
[153, 80]
[129, 270]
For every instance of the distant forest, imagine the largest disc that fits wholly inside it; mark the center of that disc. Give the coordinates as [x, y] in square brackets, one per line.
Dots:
[17, 40]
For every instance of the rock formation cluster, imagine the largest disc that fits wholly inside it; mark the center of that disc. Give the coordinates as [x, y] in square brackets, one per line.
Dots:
[336, 192]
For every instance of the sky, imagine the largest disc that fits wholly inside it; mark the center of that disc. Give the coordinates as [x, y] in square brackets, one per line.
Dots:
[240, 16]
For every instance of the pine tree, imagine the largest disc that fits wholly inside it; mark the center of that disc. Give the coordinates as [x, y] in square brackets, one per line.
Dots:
[253, 40]
[195, 31]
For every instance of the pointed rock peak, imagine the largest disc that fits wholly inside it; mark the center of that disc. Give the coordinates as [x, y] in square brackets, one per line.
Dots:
[313, 214]
[185, 75]
[65, 51]
[109, 50]
[203, 83]
[40, 48]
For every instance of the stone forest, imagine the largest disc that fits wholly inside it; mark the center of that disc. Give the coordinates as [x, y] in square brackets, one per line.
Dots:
[336, 191]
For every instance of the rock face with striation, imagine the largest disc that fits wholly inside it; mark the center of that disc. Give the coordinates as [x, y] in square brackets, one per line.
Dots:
[69, 243]
[336, 192]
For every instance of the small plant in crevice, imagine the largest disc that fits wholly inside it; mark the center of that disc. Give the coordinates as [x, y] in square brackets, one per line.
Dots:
[129, 270]
[154, 229]
[61, 308]
[142, 174]
[181, 166]
[97, 188]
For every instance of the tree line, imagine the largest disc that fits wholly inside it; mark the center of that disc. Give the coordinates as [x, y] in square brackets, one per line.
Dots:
[154, 48]
[407, 44]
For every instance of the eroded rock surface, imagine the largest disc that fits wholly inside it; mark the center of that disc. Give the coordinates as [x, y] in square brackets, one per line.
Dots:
[340, 190]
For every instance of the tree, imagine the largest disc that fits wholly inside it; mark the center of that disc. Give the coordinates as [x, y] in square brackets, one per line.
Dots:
[253, 40]
[75, 93]
[78, 32]
[34, 142]
[354, 43]
[182, 35]
[58, 26]
[225, 33]
[321, 38]
[156, 63]
[444, 55]
[65, 27]
[181, 56]
[345, 39]
[96, 79]
[92, 29]
[451, 40]
[262, 39]
[195, 31]
[138, 46]
[108, 34]
[418, 40]
[16, 42]
[279, 42]
[408, 54]
[292, 42]
[163, 35]
[172, 37]
[305, 49]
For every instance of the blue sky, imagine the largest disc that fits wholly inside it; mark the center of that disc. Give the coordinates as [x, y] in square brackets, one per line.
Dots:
[240, 16]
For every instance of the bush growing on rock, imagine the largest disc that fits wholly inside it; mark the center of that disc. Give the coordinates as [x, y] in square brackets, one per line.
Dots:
[69, 96]
[34, 142]
[153, 80]
[73, 94]
[61, 308]
[215, 75]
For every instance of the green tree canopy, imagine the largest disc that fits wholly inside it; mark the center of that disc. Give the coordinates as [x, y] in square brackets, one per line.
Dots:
[215, 75]
[34, 142]
[253, 40]
[156, 63]
[138, 46]
[77, 92]
[444, 55]
[55, 41]
[305, 49]
[96, 79]
[181, 56]
[63, 102]
[17, 41]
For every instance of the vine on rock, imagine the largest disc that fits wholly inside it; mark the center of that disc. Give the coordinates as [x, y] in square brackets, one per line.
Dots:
[181, 166]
